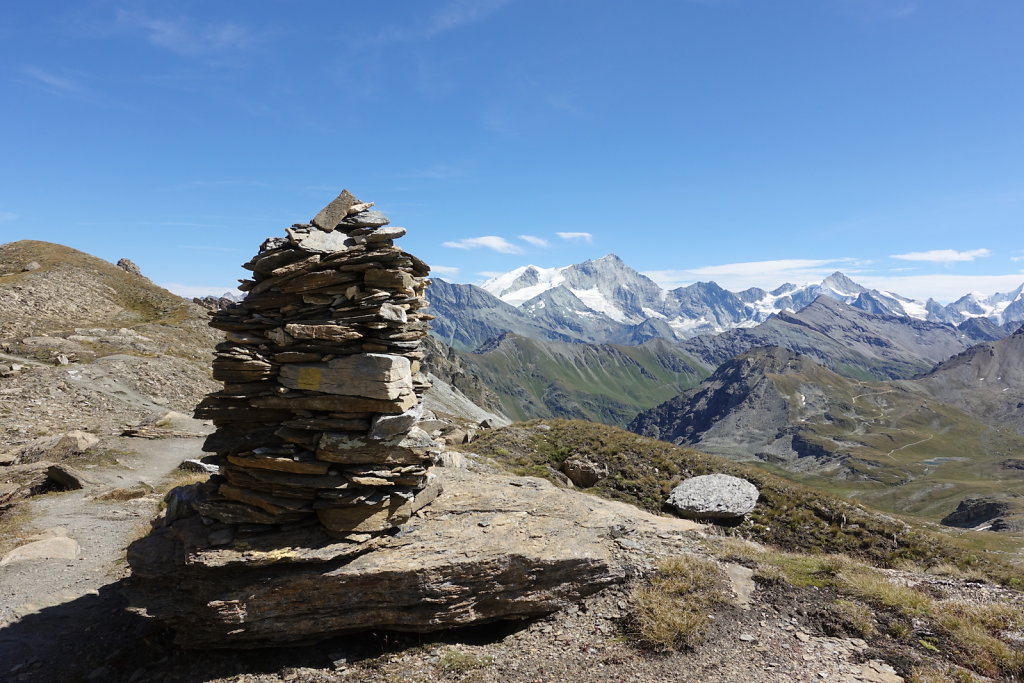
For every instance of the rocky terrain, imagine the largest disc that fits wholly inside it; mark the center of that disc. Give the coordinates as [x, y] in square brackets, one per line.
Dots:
[92, 346]
[771, 615]
[987, 380]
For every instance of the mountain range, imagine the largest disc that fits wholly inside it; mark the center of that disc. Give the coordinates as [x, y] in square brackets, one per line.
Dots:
[606, 301]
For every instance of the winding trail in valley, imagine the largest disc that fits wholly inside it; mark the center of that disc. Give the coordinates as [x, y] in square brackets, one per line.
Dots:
[908, 445]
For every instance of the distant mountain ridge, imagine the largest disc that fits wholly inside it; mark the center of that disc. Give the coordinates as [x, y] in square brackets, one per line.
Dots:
[605, 300]
[847, 340]
[918, 446]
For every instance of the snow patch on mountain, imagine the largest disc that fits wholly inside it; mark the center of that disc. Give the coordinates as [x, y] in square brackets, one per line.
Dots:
[597, 301]
[524, 283]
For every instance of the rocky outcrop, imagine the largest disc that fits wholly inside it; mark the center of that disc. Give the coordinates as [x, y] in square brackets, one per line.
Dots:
[741, 384]
[987, 514]
[51, 544]
[718, 497]
[491, 548]
[129, 267]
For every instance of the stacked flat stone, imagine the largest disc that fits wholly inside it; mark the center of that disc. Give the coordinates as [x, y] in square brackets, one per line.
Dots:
[316, 422]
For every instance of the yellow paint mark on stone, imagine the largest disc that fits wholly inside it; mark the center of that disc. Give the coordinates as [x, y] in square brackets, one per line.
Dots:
[309, 378]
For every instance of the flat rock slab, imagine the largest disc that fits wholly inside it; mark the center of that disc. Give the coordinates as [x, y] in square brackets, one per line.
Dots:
[56, 547]
[489, 548]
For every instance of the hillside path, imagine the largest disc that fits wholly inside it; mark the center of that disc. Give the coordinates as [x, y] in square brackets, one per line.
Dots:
[11, 358]
[927, 438]
[42, 601]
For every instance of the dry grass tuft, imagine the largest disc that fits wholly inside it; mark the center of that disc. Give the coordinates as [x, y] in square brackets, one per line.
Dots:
[121, 495]
[876, 588]
[951, 571]
[933, 673]
[671, 612]
[459, 662]
[857, 616]
[13, 521]
[972, 632]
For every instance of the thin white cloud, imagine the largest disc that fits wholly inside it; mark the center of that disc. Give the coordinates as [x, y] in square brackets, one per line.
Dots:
[435, 172]
[50, 81]
[576, 236]
[879, 10]
[763, 274]
[499, 244]
[1017, 259]
[458, 13]
[7, 216]
[450, 271]
[535, 241]
[490, 273]
[186, 37]
[450, 16]
[943, 255]
[189, 291]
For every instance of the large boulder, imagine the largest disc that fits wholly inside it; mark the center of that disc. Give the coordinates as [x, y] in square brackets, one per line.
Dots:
[713, 497]
[477, 554]
[582, 472]
[32, 479]
[58, 447]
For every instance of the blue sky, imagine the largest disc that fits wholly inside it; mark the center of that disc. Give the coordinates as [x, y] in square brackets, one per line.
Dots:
[742, 141]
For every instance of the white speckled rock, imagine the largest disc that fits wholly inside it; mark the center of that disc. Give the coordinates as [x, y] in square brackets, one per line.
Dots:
[713, 497]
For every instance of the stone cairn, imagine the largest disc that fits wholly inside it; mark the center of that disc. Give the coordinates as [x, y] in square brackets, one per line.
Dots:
[316, 422]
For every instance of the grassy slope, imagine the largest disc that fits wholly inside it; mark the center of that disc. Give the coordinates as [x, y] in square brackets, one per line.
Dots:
[789, 515]
[141, 300]
[904, 451]
[72, 289]
[606, 383]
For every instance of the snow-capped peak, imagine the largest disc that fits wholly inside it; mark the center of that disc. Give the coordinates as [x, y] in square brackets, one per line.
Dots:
[838, 284]
[523, 283]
